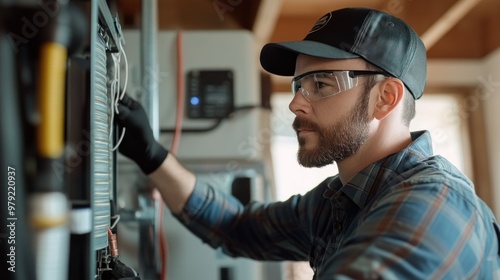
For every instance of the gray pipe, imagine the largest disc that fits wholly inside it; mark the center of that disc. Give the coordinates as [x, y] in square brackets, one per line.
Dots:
[149, 33]
[148, 251]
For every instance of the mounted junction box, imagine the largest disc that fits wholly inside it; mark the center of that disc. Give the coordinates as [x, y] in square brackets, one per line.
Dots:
[210, 94]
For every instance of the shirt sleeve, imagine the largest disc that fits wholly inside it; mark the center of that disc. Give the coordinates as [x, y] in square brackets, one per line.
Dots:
[427, 231]
[263, 231]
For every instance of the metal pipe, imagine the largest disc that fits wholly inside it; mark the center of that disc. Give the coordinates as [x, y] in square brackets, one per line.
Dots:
[148, 226]
[149, 33]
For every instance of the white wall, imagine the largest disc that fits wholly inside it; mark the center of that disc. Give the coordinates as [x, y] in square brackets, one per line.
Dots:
[484, 76]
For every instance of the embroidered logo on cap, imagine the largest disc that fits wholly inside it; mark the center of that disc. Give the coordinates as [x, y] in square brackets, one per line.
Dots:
[321, 23]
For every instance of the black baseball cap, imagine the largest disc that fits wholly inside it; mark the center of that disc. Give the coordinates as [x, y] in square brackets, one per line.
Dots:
[380, 38]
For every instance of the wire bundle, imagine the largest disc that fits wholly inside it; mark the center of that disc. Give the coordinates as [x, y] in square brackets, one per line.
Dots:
[116, 94]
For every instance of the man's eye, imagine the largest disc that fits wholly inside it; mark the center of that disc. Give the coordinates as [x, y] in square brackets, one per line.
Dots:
[320, 85]
[326, 85]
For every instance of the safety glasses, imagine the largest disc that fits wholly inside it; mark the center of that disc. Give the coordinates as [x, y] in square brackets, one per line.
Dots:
[321, 84]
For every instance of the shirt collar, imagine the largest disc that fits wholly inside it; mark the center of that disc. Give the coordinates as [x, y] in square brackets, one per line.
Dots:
[383, 170]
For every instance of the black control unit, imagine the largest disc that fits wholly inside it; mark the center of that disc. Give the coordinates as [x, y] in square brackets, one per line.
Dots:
[210, 94]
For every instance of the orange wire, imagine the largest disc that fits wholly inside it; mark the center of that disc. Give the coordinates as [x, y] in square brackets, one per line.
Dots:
[180, 95]
[162, 237]
[173, 150]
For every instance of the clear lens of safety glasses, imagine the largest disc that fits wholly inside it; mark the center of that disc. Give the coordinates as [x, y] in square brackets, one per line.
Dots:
[317, 85]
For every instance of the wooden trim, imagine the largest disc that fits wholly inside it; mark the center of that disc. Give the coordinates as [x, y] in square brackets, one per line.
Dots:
[266, 19]
[447, 21]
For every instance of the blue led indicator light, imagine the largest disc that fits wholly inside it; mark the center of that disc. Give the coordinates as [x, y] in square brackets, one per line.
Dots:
[195, 101]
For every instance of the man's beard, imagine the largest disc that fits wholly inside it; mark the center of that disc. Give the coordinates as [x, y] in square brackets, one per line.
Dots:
[337, 142]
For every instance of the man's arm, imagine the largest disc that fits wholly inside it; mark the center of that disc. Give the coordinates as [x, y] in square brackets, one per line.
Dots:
[174, 182]
[260, 231]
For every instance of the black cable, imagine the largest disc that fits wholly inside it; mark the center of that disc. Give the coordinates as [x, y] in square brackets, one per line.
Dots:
[216, 124]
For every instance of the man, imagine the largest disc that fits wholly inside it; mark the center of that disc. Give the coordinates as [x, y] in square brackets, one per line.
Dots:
[394, 211]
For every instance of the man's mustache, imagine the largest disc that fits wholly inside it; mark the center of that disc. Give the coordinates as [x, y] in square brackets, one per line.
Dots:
[300, 123]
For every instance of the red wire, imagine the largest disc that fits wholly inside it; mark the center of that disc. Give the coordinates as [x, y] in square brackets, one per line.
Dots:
[173, 150]
[180, 94]
[162, 238]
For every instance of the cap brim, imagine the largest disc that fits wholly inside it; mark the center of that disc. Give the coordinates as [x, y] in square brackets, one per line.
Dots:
[280, 58]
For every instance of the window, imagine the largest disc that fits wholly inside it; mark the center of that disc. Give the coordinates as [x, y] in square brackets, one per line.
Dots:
[440, 114]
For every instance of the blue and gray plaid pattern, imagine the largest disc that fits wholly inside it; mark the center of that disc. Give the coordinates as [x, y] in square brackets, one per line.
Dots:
[411, 215]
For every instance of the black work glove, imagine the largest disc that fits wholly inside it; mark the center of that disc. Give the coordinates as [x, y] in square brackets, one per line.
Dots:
[119, 271]
[139, 143]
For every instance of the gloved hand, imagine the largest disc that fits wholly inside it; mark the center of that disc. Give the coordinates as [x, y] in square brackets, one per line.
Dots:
[119, 271]
[139, 143]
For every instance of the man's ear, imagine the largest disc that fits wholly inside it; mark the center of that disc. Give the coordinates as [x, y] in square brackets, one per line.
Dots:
[391, 92]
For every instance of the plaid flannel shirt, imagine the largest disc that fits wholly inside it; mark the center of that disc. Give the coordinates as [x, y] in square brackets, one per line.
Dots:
[410, 215]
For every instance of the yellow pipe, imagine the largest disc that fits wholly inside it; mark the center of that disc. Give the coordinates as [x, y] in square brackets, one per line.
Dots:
[45, 223]
[51, 93]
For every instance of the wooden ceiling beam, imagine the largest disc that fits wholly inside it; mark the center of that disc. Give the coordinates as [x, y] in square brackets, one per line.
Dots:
[446, 22]
[240, 11]
[265, 20]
